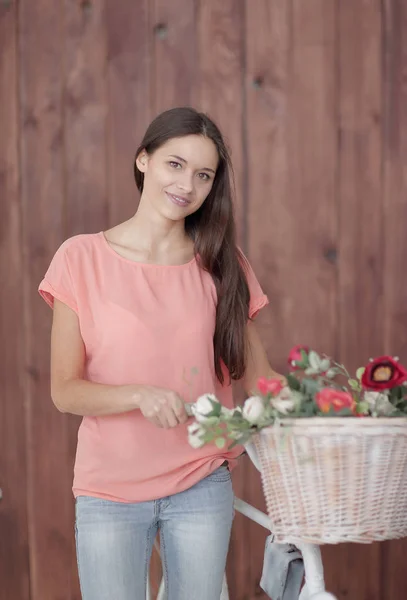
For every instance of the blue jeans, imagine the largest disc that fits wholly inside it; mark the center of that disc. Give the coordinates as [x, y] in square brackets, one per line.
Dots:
[114, 542]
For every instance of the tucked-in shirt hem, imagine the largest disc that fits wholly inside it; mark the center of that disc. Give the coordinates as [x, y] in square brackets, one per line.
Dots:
[186, 483]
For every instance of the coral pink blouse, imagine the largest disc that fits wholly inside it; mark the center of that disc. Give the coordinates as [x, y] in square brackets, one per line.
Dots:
[141, 324]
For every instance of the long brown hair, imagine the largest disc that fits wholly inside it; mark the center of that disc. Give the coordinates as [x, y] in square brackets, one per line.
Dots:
[212, 228]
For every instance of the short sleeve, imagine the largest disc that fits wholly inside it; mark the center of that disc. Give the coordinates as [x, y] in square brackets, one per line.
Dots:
[58, 282]
[258, 298]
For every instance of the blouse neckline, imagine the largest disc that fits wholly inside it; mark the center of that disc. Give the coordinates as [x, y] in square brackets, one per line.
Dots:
[108, 247]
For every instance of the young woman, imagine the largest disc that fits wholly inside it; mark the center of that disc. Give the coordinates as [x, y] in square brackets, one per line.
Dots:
[147, 316]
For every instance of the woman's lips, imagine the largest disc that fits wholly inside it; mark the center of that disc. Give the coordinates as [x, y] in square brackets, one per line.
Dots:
[178, 200]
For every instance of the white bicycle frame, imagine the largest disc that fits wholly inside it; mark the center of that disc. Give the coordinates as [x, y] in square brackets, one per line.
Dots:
[314, 587]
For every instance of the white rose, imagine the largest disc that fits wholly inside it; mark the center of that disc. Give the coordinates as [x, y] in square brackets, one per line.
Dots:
[203, 407]
[253, 409]
[284, 402]
[194, 435]
[379, 404]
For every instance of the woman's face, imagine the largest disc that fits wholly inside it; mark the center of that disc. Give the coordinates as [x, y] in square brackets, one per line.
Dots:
[179, 175]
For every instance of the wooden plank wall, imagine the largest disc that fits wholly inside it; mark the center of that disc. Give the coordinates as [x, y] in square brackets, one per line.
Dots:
[312, 98]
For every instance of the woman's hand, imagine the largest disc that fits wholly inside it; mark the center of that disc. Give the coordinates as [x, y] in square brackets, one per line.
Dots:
[162, 407]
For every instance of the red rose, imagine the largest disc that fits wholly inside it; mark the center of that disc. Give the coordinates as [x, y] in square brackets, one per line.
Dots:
[329, 398]
[383, 373]
[298, 357]
[269, 386]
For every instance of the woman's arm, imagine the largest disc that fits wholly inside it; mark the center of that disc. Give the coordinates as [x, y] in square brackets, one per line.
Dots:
[73, 394]
[257, 363]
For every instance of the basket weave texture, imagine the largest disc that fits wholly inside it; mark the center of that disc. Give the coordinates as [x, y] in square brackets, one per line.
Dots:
[331, 480]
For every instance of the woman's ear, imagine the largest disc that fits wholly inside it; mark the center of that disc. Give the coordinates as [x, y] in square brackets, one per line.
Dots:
[142, 161]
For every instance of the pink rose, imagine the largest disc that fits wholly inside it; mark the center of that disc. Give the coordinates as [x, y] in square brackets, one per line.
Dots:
[298, 357]
[329, 398]
[269, 386]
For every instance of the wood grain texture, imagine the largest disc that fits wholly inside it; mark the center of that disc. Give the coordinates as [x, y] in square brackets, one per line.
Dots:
[394, 578]
[14, 544]
[311, 204]
[85, 117]
[128, 70]
[41, 31]
[360, 249]
[174, 59]
[360, 184]
[219, 90]
[311, 289]
[311, 98]
[267, 162]
[267, 37]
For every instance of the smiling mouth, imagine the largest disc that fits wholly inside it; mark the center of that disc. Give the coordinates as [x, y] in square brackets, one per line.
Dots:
[178, 200]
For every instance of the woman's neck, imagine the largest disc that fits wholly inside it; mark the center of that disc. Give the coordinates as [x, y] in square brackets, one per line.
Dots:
[148, 239]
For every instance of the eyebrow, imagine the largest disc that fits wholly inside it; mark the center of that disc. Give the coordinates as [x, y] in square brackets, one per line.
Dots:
[185, 162]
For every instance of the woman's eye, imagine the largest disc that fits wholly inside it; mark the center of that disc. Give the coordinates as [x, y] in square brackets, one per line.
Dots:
[174, 164]
[204, 176]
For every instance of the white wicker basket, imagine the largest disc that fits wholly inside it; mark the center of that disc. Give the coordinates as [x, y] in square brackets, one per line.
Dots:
[331, 480]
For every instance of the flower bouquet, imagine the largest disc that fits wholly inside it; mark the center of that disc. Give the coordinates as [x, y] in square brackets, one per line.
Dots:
[332, 447]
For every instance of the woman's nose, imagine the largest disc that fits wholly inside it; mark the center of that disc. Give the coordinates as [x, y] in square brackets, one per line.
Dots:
[185, 183]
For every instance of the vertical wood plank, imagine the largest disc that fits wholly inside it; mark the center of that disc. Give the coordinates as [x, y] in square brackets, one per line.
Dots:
[269, 168]
[311, 205]
[129, 39]
[312, 290]
[220, 93]
[395, 177]
[292, 216]
[395, 218]
[85, 155]
[269, 223]
[85, 117]
[14, 551]
[175, 76]
[361, 239]
[292, 170]
[360, 181]
[42, 191]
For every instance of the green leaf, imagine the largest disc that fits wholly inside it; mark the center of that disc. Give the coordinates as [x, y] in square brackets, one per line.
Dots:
[293, 382]
[311, 386]
[359, 373]
[216, 409]
[344, 412]
[355, 385]
[241, 440]
[325, 364]
[220, 442]
[211, 420]
[363, 408]
[314, 360]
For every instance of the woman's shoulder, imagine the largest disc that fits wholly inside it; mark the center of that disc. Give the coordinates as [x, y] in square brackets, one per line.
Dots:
[78, 245]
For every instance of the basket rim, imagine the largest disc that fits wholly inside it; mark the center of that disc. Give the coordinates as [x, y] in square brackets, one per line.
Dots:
[339, 422]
